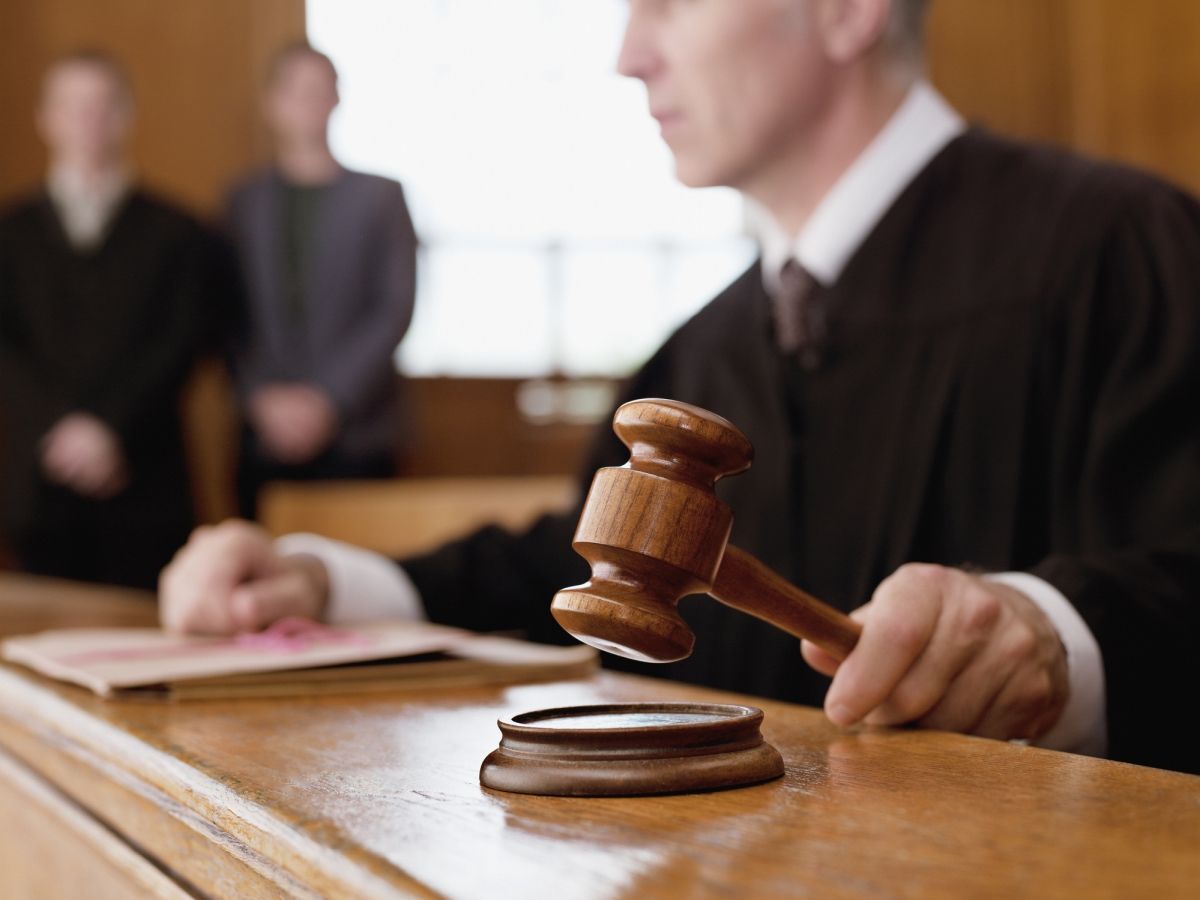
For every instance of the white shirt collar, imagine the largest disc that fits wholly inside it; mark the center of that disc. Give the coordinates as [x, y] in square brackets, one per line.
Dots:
[86, 206]
[919, 129]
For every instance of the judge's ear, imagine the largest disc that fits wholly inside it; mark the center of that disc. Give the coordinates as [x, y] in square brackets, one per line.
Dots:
[850, 29]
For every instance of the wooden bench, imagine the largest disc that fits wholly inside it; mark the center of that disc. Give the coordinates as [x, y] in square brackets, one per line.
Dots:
[403, 516]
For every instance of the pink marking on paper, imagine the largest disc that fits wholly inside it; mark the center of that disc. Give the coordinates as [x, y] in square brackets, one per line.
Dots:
[294, 634]
[290, 635]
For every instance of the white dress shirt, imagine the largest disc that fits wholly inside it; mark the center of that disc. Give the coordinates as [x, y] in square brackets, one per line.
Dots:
[365, 586]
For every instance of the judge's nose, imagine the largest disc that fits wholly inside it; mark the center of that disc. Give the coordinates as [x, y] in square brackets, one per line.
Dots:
[639, 57]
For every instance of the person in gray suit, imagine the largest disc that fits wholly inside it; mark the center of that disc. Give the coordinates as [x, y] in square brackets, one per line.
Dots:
[328, 263]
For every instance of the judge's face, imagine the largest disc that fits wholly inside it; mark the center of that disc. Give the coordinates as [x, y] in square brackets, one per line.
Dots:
[85, 114]
[735, 85]
[301, 98]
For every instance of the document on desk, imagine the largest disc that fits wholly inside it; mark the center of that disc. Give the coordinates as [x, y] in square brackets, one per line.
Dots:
[292, 657]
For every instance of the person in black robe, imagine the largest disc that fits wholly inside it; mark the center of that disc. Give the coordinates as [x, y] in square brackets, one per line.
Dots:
[1043, 422]
[1002, 380]
[101, 310]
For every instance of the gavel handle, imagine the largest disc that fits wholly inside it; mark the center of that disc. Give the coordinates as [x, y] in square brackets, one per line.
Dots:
[753, 587]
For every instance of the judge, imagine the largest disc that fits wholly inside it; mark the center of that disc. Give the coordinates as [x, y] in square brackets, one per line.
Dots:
[967, 366]
[102, 287]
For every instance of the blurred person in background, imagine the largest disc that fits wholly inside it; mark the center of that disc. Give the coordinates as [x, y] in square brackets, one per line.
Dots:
[328, 258]
[102, 290]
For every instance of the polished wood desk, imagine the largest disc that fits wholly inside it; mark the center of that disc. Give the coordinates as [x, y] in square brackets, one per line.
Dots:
[377, 796]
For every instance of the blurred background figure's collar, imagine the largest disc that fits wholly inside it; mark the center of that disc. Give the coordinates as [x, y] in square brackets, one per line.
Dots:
[917, 132]
[86, 205]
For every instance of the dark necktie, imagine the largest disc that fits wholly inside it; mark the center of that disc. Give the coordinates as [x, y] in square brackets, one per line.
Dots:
[799, 315]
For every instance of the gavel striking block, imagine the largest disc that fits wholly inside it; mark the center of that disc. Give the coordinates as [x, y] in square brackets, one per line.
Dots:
[654, 531]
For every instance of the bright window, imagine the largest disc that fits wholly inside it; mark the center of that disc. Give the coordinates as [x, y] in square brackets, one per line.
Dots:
[554, 236]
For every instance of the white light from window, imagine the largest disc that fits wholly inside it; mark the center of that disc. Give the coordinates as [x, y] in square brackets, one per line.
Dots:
[555, 237]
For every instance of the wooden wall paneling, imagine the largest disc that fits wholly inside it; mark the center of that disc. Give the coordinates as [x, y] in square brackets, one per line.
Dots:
[1114, 79]
[19, 72]
[212, 434]
[1002, 64]
[472, 426]
[1135, 83]
[195, 65]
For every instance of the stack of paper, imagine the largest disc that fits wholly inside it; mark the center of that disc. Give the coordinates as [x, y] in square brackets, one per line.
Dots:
[294, 656]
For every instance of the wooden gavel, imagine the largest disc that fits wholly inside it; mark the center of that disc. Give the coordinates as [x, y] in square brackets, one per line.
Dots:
[654, 531]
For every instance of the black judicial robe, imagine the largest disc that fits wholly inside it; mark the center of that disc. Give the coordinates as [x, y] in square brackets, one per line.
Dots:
[1010, 382]
[112, 332]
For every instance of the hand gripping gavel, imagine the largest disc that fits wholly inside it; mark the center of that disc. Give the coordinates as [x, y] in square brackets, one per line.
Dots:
[654, 531]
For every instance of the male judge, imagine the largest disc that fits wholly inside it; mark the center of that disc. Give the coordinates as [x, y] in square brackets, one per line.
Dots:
[101, 293]
[329, 263]
[968, 369]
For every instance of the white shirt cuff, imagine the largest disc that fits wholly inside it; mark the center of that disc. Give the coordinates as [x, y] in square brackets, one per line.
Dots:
[1083, 725]
[363, 586]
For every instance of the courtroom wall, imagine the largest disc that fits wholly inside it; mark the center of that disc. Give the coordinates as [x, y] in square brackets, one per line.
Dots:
[1108, 77]
[194, 65]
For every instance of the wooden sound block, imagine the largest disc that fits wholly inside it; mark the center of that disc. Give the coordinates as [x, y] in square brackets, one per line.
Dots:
[627, 749]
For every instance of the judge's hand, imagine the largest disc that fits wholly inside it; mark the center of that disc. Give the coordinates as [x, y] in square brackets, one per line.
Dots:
[82, 453]
[229, 579]
[948, 650]
[295, 421]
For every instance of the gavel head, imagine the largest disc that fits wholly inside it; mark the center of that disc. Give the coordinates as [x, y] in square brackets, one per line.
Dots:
[653, 530]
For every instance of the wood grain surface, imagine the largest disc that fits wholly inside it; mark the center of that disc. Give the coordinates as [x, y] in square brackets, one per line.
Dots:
[64, 852]
[379, 796]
